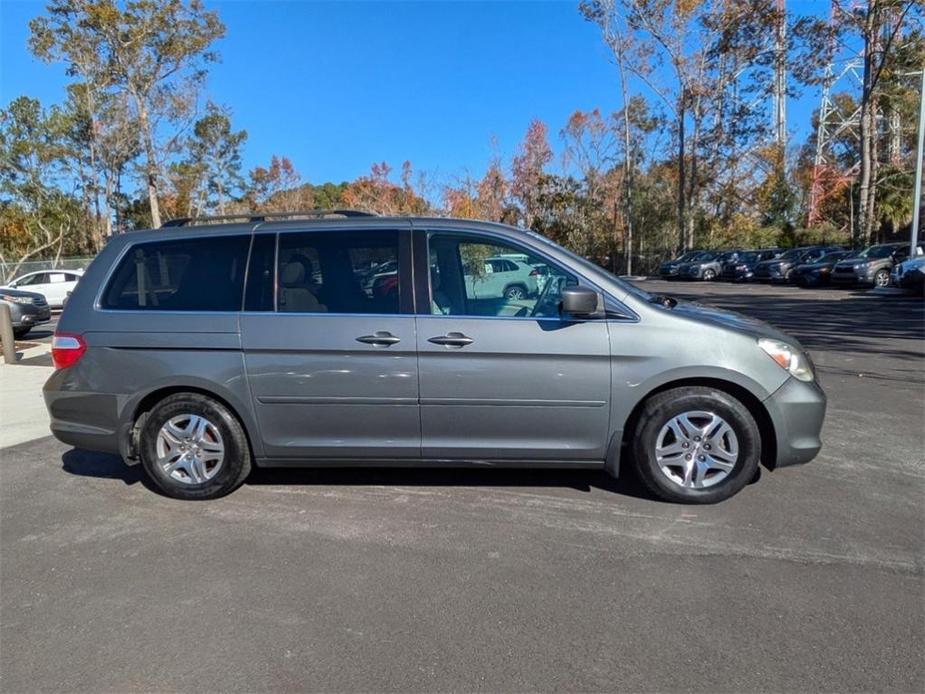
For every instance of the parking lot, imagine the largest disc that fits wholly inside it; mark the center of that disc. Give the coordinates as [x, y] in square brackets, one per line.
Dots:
[395, 580]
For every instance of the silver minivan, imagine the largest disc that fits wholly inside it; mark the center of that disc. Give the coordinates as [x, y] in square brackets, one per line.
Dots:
[209, 346]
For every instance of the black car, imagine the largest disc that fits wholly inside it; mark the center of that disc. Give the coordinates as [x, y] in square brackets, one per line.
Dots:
[818, 273]
[27, 310]
[871, 266]
[669, 269]
[781, 269]
[743, 268]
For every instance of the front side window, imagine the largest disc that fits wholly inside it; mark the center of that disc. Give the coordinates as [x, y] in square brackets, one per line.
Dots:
[470, 276]
[204, 274]
[342, 272]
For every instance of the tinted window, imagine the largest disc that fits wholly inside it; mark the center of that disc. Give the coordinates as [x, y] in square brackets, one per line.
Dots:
[468, 279]
[205, 274]
[340, 272]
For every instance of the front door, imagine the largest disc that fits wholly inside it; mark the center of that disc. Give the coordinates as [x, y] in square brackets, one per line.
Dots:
[503, 377]
[330, 354]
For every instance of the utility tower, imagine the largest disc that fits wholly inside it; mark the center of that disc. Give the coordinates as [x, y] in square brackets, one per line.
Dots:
[836, 121]
[839, 122]
[779, 97]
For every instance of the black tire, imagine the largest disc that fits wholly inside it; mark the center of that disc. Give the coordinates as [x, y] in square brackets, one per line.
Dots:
[709, 275]
[20, 333]
[515, 292]
[235, 465]
[882, 278]
[661, 408]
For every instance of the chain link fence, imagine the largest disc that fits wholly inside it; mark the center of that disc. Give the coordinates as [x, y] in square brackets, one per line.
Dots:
[11, 270]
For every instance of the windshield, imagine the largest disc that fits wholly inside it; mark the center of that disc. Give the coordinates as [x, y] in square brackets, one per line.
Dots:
[793, 254]
[876, 252]
[832, 257]
[731, 255]
[690, 255]
[748, 257]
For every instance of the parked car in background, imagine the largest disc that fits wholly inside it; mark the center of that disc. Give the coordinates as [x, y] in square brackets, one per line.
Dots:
[743, 268]
[54, 285]
[27, 309]
[871, 266]
[708, 266]
[502, 278]
[157, 362]
[910, 275]
[781, 268]
[669, 269]
[817, 273]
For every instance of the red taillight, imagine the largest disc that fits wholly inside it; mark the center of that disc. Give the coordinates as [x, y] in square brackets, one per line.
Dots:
[67, 349]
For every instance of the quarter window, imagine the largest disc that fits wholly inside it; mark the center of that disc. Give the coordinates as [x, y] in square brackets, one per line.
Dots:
[480, 277]
[328, 272]
[205, 274]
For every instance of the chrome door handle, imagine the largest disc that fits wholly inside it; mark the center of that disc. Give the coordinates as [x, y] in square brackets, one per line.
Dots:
[381, 338]
[452, 340]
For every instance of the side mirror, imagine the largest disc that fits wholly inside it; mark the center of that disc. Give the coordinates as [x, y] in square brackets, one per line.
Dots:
[579, 301]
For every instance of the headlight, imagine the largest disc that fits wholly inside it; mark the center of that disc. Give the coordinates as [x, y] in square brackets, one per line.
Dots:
[16, 299]
[860, 266]
[788, 358]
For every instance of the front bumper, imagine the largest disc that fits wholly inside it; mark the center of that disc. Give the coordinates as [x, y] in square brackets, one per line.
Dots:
[851, 277]
[737, 275]
[797, 411]
[28, 316]
[766, 274]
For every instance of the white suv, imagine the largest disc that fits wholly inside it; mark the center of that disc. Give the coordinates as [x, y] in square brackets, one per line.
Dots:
[503, 278]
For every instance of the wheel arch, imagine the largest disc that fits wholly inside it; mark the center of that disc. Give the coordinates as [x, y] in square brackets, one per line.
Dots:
[754, 405]
[140, 409]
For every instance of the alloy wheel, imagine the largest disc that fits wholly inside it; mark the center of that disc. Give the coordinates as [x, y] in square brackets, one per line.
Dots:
[696, 449]
[190, 449]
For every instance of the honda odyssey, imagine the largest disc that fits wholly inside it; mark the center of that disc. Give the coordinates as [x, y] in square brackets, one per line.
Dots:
[202, 349]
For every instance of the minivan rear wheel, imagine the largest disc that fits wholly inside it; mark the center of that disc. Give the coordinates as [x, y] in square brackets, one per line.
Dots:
[696, 445]
[193, 447]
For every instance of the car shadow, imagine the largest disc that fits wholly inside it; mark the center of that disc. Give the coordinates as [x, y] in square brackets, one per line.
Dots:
[111, 467]
[103, 466]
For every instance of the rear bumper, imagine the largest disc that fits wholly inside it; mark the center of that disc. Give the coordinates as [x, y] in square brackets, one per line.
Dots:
[82, 419]
[797, 410]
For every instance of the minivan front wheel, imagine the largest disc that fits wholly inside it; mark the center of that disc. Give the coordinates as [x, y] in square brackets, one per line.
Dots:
[193, 447]
[696, 445]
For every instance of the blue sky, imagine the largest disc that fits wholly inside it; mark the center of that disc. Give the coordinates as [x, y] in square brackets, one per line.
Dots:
[337, 86]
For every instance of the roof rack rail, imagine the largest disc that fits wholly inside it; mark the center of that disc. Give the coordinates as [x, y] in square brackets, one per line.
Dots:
[264, 216]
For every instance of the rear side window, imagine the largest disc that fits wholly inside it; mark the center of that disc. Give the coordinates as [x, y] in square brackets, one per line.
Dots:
[205, 274]
[344, 272]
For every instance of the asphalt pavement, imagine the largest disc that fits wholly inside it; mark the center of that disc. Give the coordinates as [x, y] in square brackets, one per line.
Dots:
[810, 579]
